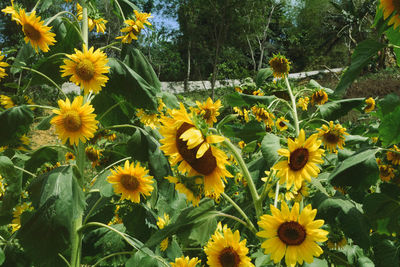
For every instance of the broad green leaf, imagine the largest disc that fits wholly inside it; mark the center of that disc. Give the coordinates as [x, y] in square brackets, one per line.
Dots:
[15, 122]
[202, 232]
[262, 75]
[390, 127]
[385, 251]
[67, 36]
[257, 168]
[315, 85]
[239, 100]
[394, 38]
[355, 139]
[317, 263]
[363, 53]
[387, 105]
[333, 110]
[359, 170]
[23, 58]
[169, 99]
[2, 256]
[104, 210]
[13, 179]
[269, 148]
[142, 259]
[247, 132]
[139, 63]
[134, 218]
[39, 157]
[101, 183]
[44, 124]
[57, 200]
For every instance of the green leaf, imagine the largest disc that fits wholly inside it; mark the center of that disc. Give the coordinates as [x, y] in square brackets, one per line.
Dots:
[57, 200]
[23, 58]
[387, 105]
[203, 230]
[2, 256]
[38, 158]
[139, 63]
[269, 148]
[262, 75]
[317, 263]
[385, 251]
[44, 124]
[101, 183]
[67, 37]
[15, 122]
[247, 132]
[134, 218]
[333, 110]
[12, 195]
[394, 38]
[363, 53]
[390, 127]
[239, 100]
[359, 170]
[315, 85]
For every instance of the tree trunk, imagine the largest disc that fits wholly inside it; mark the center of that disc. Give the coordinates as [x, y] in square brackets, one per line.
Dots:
[253, 60]
[186, 83]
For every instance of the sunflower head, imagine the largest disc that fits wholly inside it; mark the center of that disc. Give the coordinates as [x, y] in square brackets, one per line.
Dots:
[6, 101]
[161, 223]
[391, 7]
[149, 119]
[333, 136]
[280, 66]
[243, 114]
[303, 102]
[394, 155]
[319, 97]
[370, 105]
[224, 249]
[185, 262]
[74, 121]
[282, 124]
[93, 155]
[302, 156]
[13, 10]
[262, 114]
[100, 24]
[18, 210]
[336, 239]
[192, 187]
[291, 234]
[87, 69]
[69, 156]
[208, 110]
[131, 182]
[2, 65]
[386, 172]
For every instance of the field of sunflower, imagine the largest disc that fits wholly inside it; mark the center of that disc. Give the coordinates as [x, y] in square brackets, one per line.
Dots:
[272, 177]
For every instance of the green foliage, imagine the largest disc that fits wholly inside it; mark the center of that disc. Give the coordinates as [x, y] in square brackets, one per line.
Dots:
[17, 121]
[389, 127]
[334, 110]
[239, 100]
[269, 147]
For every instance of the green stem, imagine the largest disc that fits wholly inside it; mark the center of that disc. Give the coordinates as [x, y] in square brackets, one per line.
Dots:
[64, 259]
[92, 209]
[25, 171]
[109, 166]
[59, 14]
[113, 255]
[315, 119]
[36, 5]
[40, 106]
[80, 159]
[276, 195]
[85, 27]
[108, 46]
[47, 78]
[111, 108]
[76, 241]
[120, 10]
[247, 176]
[236, 219]
[294, 109]
[250, 225]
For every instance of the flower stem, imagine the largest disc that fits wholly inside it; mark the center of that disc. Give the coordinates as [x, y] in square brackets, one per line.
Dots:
[85, 27]
[250, 225]
[247, 176]
[294, 109]
[120, 9]
[276, 195]
[76, 240]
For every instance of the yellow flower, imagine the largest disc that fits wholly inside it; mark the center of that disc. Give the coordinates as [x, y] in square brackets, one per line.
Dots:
[241, 144]
[244, 114]
[100, 24]
[280, 66]
[258, 92]
[116, 219]
[151, 120]
[185, 145]
[134, 27]
[161, 223]
[6, 101]
[3, 185]
[185, 262]
[161, 105]
[281, 124]
[142, 18]
[238, 89]
[209, 110]
[2, 66]
[332, 136]
[370, 105]
[25, 143]
[74, 121]
[86, 69]
[389, 7]
[302, 159]
[263, 115]
[191, 187]
[35, 32]
[69, 156]
[131, 182]
[386, 172]
[93, 155]
[13, 11]
[18, 210]
[225, 249]
[319, 97]
[301, 192]
[303, 102]
[292, 235]
[336, 239]
[394, 156]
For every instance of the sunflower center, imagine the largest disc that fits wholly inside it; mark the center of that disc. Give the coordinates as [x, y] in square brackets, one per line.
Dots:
[298, 159]
[85, 69]
[31, 32]
[129, 182]
[384, 171]
[229, 258]
[204, 165]
[279, 65]
[72, 121]
[282, 124]
[331, 138]
[92, 154]
[207, 114]
[268, 128]
[396, 4]
[291, 233]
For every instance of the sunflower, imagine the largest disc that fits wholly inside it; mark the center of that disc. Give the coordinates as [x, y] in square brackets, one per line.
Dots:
[389, 7]
[209, 110]
[131, 32]
[302, 159]
[142, 18]
[336, 239]
[86, 69]
[280, 66]
[225, 249]
[74, 120]
[161, 223]
[148, 119]
[386, 172]
[185, 262]
[319, 97]
[394, 156]
[332, 136]
[100, 24]
[93, 155]
[281, 124]
[191, 187]
[258, 92]
[291, 234]
[13, 10]
[303, 102]
[301, 192]
[131, 181]
[2, 66]
[185, 145]
[6, 102]
[25, 142]
[370, 105]
[243, 114]
[35, 32]
[18, 210]
[263, 115]
[238, 89]
[241, 144]
[3, 185]
[69, 156]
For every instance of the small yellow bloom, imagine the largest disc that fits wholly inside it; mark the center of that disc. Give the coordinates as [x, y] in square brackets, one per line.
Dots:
[282, 124]
[386, 172]
[333, 136]
[303, 102]
[370, 105]
[185, 262]
[319, 98]
[394, 156]
[18, 210]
